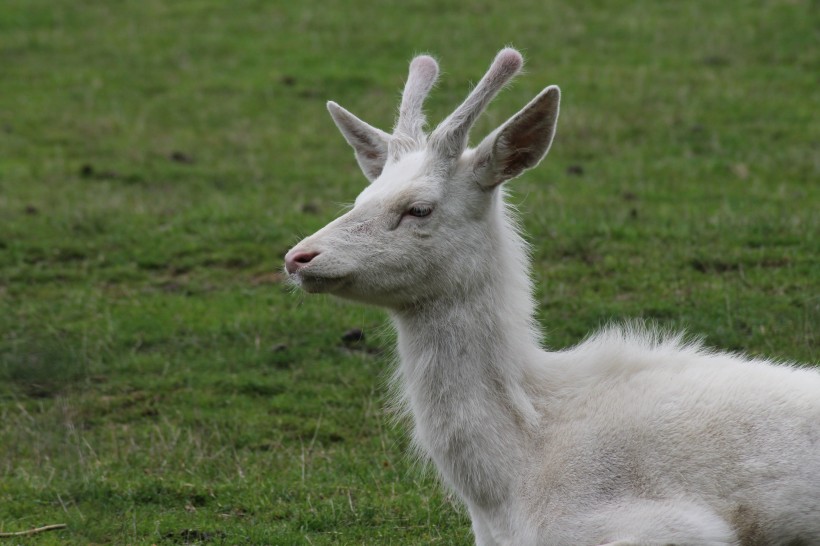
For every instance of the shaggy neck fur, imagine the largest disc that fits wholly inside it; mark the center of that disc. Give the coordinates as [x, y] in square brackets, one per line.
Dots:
[463, 360]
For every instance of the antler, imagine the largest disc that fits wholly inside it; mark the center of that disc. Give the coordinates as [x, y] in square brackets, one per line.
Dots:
[409, 130]
[449, 139]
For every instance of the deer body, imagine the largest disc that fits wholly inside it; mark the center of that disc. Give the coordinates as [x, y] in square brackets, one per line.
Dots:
[630, 437]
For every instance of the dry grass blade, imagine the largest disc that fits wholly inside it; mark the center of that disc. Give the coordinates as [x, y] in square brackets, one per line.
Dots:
[29, 532]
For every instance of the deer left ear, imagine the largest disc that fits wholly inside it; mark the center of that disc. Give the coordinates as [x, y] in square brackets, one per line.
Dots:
[521, 143]
[369, 143]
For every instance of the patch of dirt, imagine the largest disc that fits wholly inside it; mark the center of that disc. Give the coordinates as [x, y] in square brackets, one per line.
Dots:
[193, 536]
[181, 157]
[354, 335]
[713, 266]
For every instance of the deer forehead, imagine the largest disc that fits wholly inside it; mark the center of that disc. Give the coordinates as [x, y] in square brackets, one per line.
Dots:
[402, 183]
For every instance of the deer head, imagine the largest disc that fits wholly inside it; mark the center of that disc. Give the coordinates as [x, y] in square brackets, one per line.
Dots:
[432, 223]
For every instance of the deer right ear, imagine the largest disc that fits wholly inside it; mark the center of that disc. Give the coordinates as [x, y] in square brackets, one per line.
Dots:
[521, 143]
[369, 143]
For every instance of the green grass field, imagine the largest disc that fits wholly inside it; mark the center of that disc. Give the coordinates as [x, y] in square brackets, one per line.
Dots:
[160, 384]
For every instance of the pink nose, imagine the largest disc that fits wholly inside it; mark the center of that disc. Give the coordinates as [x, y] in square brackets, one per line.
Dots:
[298, 260]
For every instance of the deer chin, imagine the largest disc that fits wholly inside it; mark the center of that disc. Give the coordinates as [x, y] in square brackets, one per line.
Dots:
[316, 283]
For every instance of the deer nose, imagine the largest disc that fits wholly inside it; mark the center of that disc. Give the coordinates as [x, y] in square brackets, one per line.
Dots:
[294, 262]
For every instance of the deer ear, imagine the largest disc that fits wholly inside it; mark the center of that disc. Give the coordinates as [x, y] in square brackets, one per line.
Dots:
[369, 143]
[521, 143]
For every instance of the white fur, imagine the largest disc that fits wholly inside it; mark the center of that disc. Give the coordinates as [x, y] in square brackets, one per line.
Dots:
[632, 437]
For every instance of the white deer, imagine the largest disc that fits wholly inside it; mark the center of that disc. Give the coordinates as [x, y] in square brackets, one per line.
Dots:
[631, 437]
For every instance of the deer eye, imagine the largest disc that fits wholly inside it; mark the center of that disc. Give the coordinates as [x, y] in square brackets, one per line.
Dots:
[419, 210]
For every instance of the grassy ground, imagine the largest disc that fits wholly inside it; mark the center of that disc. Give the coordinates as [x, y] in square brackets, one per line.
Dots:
[158, 382]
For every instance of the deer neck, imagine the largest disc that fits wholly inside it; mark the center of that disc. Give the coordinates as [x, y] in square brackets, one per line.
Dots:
[463, 363]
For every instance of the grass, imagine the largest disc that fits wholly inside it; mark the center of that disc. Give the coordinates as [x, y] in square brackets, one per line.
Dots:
[158, 382]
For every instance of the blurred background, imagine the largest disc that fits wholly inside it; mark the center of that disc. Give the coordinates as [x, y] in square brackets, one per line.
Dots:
[161, 384]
